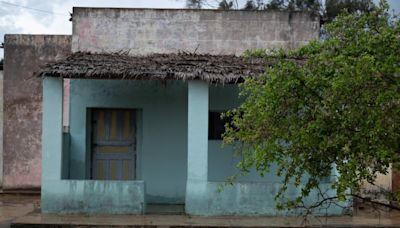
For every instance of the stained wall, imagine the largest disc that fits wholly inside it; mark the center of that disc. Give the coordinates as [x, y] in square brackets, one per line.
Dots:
[23, 55]
[144, 31]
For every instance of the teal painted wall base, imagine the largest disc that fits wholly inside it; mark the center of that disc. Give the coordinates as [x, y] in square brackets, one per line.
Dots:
[90, 196]
[254, 199]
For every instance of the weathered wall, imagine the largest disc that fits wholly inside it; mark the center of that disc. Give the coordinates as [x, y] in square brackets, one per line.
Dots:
[92, 196]
[383, 184]
[395, 180]
[144, 31]
[252, 198]
[1, 128]
[23, 54]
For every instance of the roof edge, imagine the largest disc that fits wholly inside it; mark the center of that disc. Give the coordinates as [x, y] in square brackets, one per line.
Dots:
[187, 9]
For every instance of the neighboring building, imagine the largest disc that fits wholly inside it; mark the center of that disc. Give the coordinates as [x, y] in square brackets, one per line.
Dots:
[146, 87]
[1, 125]
[23, 56]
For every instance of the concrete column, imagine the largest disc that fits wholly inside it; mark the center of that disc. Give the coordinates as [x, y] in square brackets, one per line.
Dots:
[52, 130]
[196, 201]
[197, 131]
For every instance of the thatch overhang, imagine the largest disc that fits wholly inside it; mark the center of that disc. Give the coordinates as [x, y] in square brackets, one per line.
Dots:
[178, 66]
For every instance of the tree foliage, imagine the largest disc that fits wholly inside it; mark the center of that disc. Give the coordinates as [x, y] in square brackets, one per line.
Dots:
[194, 4]
[225, 5]
[331, 103]
[327, 11]
[335, 7]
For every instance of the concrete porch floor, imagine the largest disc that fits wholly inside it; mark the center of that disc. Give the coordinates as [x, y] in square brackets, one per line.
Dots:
[24, 211]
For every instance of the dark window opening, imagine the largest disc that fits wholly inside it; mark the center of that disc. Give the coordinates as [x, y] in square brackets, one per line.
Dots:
[216, 125]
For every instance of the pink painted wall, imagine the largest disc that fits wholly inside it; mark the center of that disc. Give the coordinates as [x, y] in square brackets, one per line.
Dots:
[23, 56]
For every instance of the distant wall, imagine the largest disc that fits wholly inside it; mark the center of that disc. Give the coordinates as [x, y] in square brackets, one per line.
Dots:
[395, 180]
[383, 183]
[1, 127]
[23, 54]
[144, 31]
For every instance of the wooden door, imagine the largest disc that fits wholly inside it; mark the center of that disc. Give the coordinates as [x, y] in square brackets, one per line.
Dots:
[113, 144]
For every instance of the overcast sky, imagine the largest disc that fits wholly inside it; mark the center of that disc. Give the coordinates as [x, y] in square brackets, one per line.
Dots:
[52, 16]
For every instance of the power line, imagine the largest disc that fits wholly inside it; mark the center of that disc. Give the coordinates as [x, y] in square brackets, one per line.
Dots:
[30, 8]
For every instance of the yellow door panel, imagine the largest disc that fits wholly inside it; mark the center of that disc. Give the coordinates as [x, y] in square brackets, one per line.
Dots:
[113, 128]
[100, 170]
[101, 133]
[126, 165]
[127, 123]
[114, 170]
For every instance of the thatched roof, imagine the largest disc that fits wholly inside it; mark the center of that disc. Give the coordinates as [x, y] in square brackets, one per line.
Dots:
[181, 66]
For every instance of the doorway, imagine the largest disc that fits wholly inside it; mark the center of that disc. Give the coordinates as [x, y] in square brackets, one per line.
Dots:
[113, 144]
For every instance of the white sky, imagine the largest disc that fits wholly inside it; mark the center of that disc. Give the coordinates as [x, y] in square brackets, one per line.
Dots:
[14, 19]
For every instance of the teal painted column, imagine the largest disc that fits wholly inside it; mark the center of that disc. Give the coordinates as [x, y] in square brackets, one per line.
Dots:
[197, 130]
[51, 141]
[197, 168]
[52, 129]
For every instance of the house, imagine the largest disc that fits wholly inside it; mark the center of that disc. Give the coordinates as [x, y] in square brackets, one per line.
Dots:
[146, 87]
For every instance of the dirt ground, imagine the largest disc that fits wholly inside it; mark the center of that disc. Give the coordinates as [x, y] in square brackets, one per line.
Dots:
[24, 210]
[13, 206]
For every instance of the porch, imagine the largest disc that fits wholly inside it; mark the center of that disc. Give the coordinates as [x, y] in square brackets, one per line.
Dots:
[174, 158]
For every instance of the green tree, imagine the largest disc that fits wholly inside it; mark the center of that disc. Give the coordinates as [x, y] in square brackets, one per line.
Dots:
[327, 11]
[250, 5]
[331, 103]
[276, 5]
[194, 4]
[254, 5]
[334, 7]
[225, 5]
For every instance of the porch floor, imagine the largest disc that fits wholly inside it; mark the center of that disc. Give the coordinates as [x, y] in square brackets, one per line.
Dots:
[165, 209]
[24, 211]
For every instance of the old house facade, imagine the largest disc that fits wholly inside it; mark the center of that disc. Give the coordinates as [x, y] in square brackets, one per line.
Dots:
[146, 90]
